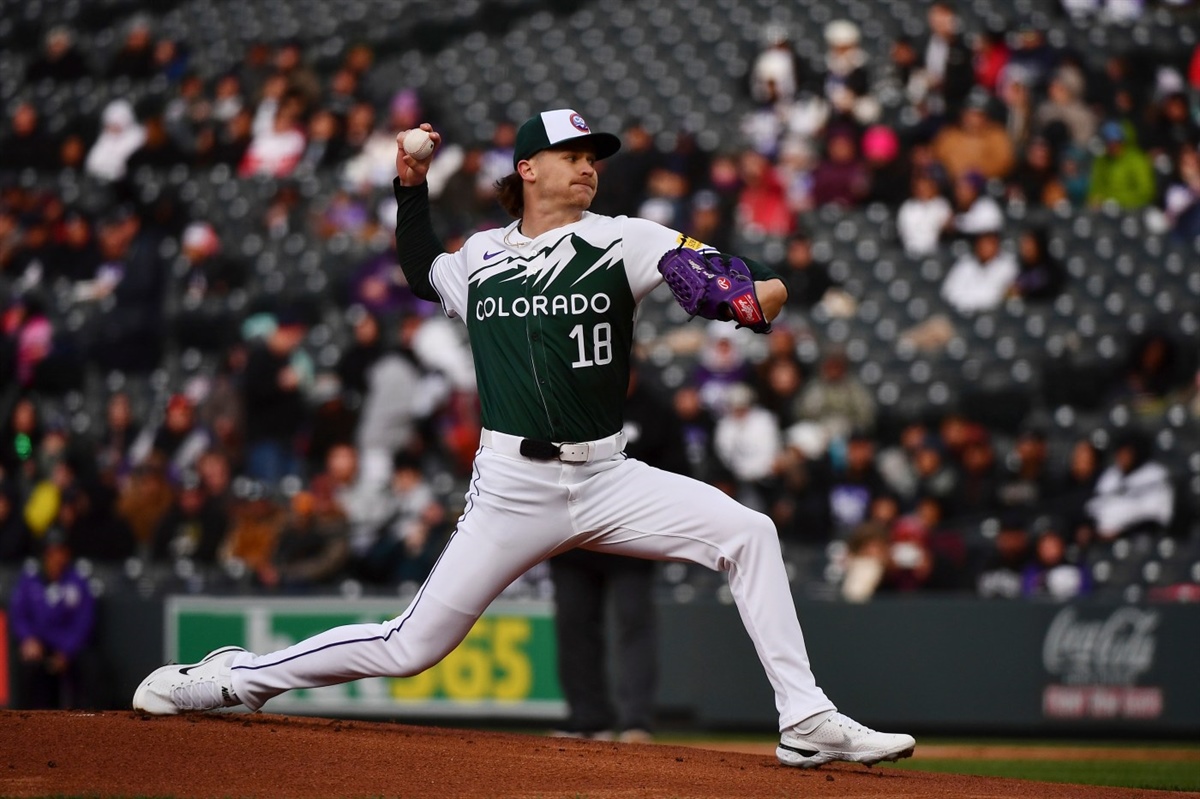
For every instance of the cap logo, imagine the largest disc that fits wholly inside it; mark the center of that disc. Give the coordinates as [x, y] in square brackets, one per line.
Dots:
[578, 123]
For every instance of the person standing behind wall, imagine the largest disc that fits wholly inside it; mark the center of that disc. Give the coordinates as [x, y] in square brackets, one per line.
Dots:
[586, 584]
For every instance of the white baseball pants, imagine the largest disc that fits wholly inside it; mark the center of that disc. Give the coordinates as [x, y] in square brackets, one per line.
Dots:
[519, 512]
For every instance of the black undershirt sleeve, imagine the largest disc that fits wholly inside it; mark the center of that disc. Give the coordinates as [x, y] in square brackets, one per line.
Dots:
[417, 246]
[760, 271]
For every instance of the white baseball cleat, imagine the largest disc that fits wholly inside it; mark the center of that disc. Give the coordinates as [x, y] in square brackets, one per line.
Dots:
[184, 688]
[840, 737]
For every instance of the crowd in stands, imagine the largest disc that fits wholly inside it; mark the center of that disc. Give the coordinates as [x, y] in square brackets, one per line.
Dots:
[294, 471]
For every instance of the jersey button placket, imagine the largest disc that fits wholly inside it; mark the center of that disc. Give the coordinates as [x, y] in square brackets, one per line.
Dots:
[537, 348]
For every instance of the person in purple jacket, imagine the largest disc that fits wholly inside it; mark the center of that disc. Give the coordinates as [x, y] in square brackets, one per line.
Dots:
[52, 614]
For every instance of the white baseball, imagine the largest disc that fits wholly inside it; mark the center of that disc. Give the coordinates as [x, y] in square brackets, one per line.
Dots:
[418, 144]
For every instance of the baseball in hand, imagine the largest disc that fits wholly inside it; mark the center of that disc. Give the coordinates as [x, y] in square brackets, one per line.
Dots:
[418, 144]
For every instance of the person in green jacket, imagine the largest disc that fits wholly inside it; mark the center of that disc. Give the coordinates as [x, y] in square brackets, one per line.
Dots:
[1123, 173]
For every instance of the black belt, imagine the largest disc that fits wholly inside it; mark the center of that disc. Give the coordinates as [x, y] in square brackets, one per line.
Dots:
[539, 450]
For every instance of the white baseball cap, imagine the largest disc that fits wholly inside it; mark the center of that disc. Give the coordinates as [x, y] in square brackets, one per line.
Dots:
[551, 128]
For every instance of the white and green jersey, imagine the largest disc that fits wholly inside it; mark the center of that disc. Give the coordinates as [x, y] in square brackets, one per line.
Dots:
[551, 320]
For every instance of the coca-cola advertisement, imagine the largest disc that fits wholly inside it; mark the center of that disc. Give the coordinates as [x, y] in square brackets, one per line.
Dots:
[1098, 662]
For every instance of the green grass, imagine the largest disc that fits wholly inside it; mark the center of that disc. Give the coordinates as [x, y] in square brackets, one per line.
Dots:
[1156, 774]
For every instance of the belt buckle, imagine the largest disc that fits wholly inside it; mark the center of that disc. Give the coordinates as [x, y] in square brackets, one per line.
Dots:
[574, 453]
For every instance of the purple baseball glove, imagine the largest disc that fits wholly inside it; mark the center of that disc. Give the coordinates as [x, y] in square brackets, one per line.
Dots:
[713, 286]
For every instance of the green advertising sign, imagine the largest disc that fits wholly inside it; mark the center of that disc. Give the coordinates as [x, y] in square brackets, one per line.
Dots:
[504, 668]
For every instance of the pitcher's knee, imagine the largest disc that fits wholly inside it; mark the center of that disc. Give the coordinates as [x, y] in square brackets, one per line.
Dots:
[758, 533]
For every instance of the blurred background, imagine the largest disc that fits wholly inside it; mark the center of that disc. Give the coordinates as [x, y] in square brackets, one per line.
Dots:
[975, 424]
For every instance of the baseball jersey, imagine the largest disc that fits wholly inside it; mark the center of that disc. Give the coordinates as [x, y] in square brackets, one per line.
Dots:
[551, 320]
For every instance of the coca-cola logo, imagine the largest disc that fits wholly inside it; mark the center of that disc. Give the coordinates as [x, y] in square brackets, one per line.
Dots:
[1109, 651]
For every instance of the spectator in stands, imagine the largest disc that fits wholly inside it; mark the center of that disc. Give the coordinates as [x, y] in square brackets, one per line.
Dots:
[135, 58]
[846, 80]
[897, 463]
[257, 524]
[777, 73]
[721, 365]
[1001, 575]
[762, 202]
[373, 161]
[836, 400]
[1151, 374]
[179, 440]
[346, 213]
[362, 354]
[626, 173]
[1064, 116]
[277, 148]
[699, 428]
[779, 376]
[1173, 127]
[980, 279]
[301, 79]
[1036, 180]
[323, 148]
[193, 528]
[210, 271]
[312, 549]
[1016, 93]
[158, 150]
[1075, 170]
[1041, 275]
[127, 332]
[1050, 574]
[851, 483]
[747, 440]
[343, 92]
[1181, 201]
[1074, 486]
[465, 200]
[1123, 174]
[27, 144]
[1025, 482]
[392, 406]
[145, 498]
[1034, 55]
[401, 546]
[975, 212]
[60, 60]
[890, 171]
[120, 138]
[52, 612]
[708, 221]
[221, 408]
[946, 70]
[1134, 494]
[274, 401]
[842, 178]
[808, 279]
[32, 335]
[922, 217]
[975, 495]
[868, 551]
[118, 434]
[232, 140]
[76, 254]
[976, 144]
[990, 56]
[227, 99]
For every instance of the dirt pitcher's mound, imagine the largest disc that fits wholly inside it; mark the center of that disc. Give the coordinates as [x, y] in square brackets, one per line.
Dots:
[125, 754]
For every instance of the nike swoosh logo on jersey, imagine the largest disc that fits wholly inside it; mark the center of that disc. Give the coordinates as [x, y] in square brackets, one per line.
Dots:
[487, 256]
